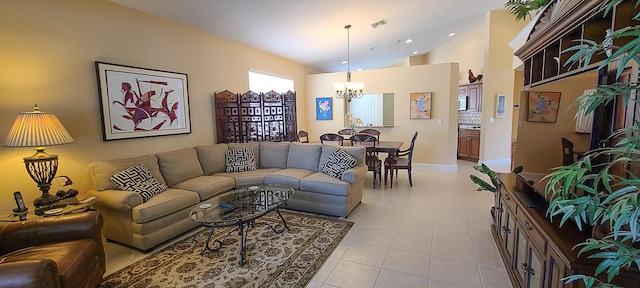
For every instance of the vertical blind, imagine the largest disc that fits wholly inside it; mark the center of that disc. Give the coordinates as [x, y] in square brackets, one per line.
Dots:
[368, 109]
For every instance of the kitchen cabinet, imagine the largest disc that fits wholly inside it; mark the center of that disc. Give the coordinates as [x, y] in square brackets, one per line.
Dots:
[536, 251]
[473, 92]
[469, 144]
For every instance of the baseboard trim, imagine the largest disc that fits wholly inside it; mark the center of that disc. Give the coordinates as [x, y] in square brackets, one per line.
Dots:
[500, 165]
[436, 167]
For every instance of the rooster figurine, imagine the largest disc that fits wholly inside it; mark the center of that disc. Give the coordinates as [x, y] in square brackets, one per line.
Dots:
[472, 78]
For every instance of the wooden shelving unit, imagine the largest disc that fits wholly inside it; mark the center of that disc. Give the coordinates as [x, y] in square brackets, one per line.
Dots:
[561, 26]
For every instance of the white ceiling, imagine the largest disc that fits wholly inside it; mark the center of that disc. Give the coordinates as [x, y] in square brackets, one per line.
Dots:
[311, 32]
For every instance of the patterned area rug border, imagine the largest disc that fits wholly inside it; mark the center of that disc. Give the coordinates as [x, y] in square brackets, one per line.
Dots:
[290, 259]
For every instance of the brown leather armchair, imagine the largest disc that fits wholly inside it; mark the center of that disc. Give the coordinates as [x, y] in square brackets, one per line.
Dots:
[58, 251]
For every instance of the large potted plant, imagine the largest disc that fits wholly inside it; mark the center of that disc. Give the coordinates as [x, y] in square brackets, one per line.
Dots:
[590, 192]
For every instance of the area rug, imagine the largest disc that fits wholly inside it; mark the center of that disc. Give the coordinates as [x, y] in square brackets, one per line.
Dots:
[289, 259]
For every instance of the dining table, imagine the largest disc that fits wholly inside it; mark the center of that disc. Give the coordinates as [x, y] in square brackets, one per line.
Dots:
[389, 147]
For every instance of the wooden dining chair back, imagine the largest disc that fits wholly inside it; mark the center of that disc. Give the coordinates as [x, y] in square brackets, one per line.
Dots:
[303, 136]
[373, 132]
[374, 163]
[331, 137]
[345, 131]
[402, 160]
[567, 152]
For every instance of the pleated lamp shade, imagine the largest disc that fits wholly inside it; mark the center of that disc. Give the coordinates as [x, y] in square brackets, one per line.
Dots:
[37, 129]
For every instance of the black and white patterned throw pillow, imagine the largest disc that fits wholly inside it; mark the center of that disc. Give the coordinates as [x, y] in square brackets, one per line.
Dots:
[138, 179]
[338, 162]
[240, 160]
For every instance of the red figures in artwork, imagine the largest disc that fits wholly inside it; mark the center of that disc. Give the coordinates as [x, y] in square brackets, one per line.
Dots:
[139, 106]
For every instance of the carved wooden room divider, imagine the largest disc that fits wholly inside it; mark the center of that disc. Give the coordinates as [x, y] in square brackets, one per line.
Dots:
[254, 116]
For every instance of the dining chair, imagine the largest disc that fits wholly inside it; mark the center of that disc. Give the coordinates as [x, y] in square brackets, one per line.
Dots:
[303, 136]
[374, 163]
[345, 131]
[402, 160]
[567, 152]
[373, 132]
[331, 137]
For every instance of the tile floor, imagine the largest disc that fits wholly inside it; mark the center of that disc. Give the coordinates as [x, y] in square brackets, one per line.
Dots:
[435, 234]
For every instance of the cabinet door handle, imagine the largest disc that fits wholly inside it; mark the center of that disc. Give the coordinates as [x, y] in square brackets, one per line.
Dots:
[506, 197]
[500, 209]
[528, 225]
[523, 267]
[506, 229]
[532, 272]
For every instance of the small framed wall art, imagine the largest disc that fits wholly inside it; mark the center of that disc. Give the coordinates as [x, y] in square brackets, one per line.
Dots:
[324, 109]
[501, 104]
[543, 106]
[420, 105]
[138, 102]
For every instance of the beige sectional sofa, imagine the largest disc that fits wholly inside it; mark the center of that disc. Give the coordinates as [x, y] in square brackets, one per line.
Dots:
[198, 173]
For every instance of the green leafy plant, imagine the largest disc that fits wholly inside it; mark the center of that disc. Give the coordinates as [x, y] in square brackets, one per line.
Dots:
[484, 185]
[589, 192]
[521, 8]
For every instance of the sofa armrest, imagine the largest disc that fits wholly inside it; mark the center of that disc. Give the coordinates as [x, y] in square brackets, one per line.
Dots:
[354, 174]
[117, 199]
[29, 273]
[18, 235]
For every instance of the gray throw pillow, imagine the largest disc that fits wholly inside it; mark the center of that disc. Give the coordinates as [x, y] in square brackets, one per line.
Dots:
[339, 161]
[239, 160]
[138, 179]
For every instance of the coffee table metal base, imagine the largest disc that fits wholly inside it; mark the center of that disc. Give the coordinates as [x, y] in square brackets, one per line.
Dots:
[242, 235]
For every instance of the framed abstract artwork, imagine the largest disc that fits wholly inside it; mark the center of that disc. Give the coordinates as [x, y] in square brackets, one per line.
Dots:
[420, 105]
[324, 108]
[543, 106]
[138, 102]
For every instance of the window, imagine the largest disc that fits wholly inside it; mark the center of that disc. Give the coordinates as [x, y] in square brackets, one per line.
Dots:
[262, 83]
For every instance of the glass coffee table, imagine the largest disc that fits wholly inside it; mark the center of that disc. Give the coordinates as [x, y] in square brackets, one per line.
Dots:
[241, 207]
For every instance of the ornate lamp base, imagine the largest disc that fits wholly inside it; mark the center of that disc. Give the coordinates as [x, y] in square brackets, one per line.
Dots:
[45, 200]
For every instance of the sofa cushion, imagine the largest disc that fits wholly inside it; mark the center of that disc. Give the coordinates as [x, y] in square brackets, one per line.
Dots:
[180, 165]
[338, 162]
[212, 158]
[304, 156]
[240, 160]
[274, 154]
[246, 178]
[251, 145]
[324, 184]
[288, 177]
[164, 204]
[100, 172]
[138, 179]
[207, 186]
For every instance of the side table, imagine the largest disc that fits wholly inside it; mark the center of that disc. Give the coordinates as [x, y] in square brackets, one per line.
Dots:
[64, 206]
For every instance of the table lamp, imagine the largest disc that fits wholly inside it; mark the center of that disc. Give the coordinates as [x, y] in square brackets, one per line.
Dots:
[39, 129]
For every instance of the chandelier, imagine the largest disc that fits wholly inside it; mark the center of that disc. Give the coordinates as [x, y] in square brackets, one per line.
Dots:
[348, 90]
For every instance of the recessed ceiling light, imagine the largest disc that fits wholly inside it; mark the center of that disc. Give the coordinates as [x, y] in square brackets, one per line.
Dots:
[408, 41]
[452, 34]
[344, 62]
[359, 69]
[414, 52]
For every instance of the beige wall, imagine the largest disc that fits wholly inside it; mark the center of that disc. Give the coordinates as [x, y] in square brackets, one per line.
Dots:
[436, 144]
[539, 148]
[468, 50]
[48, 52]
[500, 28]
